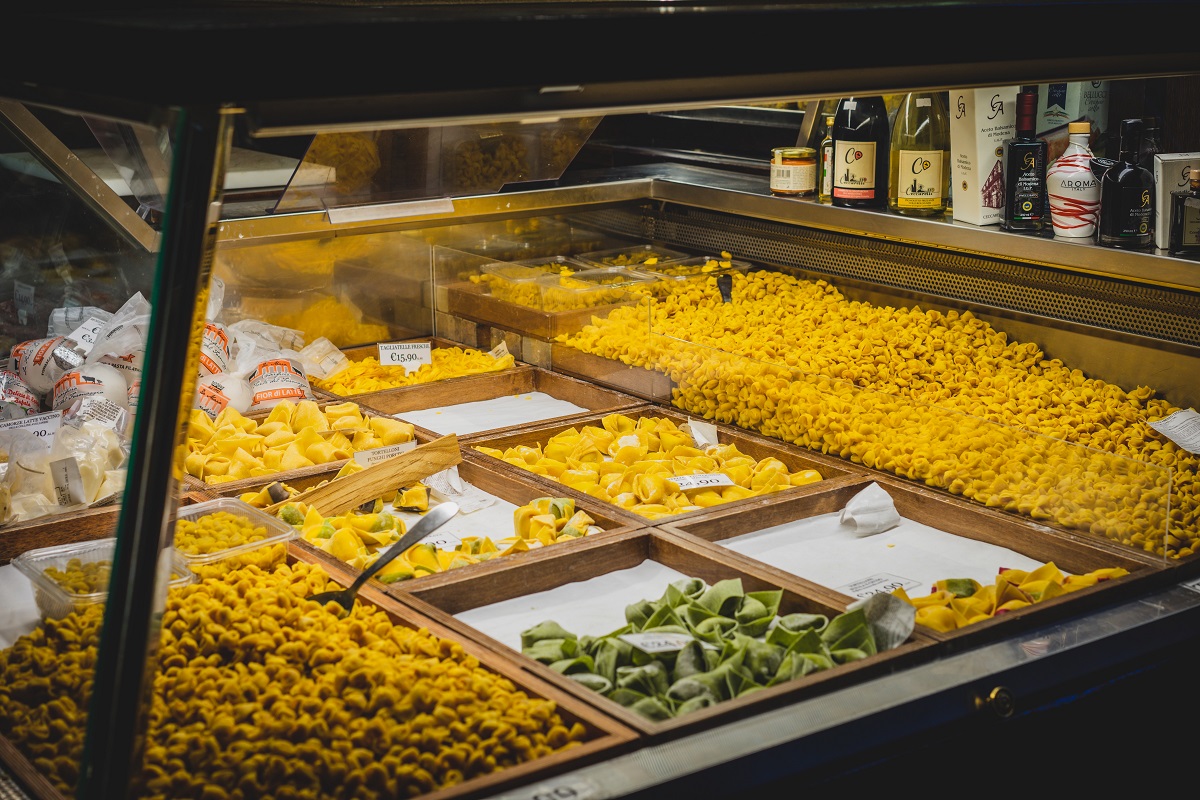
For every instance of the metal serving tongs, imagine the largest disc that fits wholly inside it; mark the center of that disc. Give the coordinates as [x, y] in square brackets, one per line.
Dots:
[435, 518]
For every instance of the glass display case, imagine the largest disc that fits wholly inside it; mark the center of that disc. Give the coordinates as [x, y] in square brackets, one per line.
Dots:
[753, 490]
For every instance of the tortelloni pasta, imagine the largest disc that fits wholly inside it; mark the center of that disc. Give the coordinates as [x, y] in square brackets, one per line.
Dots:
[261, 693]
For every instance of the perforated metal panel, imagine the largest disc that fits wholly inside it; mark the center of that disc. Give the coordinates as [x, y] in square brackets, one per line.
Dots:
[955, 278]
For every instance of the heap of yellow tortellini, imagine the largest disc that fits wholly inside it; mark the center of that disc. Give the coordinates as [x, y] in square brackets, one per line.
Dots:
[943, 398]
[368, 375]
[958, 602]
[260, 692]
[358, 538]
[630, 462]
[292, 436]
[328, 318]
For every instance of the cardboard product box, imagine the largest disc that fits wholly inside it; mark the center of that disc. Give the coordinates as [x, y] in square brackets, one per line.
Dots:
[1170, 175]
[1060, 103]
[981, 120]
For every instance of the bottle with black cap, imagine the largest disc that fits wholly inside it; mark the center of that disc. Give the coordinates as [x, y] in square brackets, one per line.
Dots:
[1127, 196]
[1026, 207]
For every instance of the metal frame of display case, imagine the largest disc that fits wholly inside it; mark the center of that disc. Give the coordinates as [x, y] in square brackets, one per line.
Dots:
[307, 67]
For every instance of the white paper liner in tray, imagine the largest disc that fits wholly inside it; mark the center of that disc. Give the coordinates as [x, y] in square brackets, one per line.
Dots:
[485, 415]
[595, 606]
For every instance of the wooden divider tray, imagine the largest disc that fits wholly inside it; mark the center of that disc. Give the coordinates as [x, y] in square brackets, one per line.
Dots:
[935, 537]
[602, 736]
[437, 343]
[750, 444]
[638, 381]
[302, 477]
[471, 301]
[586, 589]
[567, 398]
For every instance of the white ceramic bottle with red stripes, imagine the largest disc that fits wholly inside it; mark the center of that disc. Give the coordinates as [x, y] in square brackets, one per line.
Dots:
[1074, 191]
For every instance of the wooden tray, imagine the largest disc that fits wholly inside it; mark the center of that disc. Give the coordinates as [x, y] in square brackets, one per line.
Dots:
[605, 735]
[589, 397]
[472, 301]
[303, 477]
[502, 580]
[759, 447]
[372, 351]
[1075, 554]
[507, 486]
[637, 381]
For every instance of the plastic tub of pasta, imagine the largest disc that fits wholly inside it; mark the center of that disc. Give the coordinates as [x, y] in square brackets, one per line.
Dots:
[68, 577]
[591, 287]
[216, 536]
[696, 267]
[632, 256]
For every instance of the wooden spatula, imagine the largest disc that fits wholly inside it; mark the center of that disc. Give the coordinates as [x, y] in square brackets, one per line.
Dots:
[351, 491]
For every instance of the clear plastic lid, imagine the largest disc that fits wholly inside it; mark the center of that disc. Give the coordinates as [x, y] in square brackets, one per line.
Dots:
[632, 256]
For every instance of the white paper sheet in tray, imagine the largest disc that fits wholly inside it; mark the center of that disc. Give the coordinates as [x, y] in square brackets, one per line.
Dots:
[19, 613]
[485, 415]
[595, 606]
[913, 555]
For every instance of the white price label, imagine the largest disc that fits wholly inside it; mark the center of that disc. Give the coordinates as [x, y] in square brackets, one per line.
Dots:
[442, 540]
[657, 642]
[705, 433]
[68, 483]
[879, 583]
[702, 481]
[378, 455]
[40, 426]
[565, 788]
[23, 300]
[499, 351]
[1182, 428]
[410, 355]
[86, 333]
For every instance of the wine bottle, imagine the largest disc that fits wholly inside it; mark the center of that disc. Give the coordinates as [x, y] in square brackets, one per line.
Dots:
[1127, 196]
[861, 140]
[1073, 190]
[920, 156]
[1185, 217]
[1024, 164]
[825, 166]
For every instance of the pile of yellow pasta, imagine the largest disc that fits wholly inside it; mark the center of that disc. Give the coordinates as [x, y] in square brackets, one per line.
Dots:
[943, 398]
[630, 462]
[328, 317]
[233, 536]
[958, 602]
[292, 436]
[358, 538]
[262, 693]
[368, 375]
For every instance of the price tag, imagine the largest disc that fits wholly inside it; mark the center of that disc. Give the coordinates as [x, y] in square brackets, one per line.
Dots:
[566, 788]
[702, 481]
[657, 642]
[68, 483]
[410, 355]
[879, 583]
[442, 540]
[40, 426]
[23, 300]
[377, 455]
[705, 433]
[499, 351]
[86, 333]
[1182, 428]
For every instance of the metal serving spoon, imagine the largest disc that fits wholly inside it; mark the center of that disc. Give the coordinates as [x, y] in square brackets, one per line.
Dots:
[435, 518]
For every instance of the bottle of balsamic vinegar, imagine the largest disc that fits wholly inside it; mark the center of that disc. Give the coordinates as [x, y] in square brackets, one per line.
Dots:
[1127, 196]
[1026, 205]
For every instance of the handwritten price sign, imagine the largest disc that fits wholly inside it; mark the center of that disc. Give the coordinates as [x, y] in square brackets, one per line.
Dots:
[410, 355]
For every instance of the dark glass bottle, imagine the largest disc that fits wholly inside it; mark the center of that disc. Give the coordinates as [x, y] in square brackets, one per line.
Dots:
[861, 141]
[1150, 143]
[1026, 206]
[1185, 217]
[1127, 196]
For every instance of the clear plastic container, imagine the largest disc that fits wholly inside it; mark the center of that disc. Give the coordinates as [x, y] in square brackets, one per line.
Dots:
[228, 534]
[632, 256]
[68, 577]
[593, 287]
